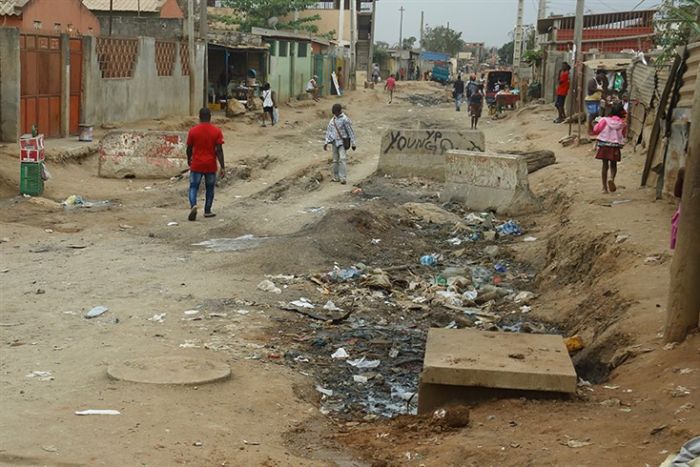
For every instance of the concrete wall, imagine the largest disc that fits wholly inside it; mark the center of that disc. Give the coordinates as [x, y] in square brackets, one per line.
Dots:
[145, 95]
[142, 154]
[421, 153]
[327, 23]
[10, 79]
[134, 26]
[489, 181]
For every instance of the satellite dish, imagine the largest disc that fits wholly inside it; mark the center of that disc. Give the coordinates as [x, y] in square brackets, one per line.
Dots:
[272, 22]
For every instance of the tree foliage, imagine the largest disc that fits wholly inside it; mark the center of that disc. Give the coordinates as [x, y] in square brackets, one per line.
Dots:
[257, 13]
[505, 53]
[409, 43]
[442, 39]
[675, 25]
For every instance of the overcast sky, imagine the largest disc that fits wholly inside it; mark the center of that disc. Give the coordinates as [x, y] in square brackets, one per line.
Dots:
[487, 21]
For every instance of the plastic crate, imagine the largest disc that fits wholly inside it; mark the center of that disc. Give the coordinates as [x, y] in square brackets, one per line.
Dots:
[31, 148]
[30, 181]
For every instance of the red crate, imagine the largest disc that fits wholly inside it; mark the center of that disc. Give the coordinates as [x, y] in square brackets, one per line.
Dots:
[31, 148]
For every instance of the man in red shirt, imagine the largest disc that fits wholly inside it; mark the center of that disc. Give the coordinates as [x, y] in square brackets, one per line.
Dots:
[390, 85]
[204, 143]
[562, 91]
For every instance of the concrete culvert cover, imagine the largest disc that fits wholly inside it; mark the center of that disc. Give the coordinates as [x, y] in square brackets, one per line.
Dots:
[170, 370]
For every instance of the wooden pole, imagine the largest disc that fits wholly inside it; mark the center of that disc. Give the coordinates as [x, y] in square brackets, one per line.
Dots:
[370, 63]
[191, 55]
[575, 100]
[203, 33]
[518, 42]
[683, 310]
[111, 14]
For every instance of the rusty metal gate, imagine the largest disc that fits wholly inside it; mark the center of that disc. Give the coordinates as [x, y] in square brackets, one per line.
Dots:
[41, 84]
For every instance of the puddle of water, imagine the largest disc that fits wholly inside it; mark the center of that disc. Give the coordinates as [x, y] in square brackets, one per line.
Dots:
[244, 242]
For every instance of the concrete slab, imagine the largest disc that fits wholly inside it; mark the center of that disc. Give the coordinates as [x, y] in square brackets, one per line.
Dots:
[142, 154]
[182, 370]
[506, 362]
[489, 181]
[421, 153]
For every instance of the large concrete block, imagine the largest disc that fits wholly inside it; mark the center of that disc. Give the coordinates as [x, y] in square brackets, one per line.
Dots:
[489, 181]
[421, 153]
[142, 154]
[460, 363]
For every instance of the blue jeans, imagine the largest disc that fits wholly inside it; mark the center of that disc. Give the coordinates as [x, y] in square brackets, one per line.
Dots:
[458, 101]
[209, 184]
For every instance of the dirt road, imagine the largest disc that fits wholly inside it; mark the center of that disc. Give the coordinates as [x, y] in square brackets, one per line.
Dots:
[600, 269]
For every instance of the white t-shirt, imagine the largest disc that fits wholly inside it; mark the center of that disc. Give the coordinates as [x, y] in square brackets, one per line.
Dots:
[311, 85]
[267, 99]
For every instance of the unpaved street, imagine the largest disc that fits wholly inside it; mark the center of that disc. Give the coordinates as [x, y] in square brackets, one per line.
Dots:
[56, 264]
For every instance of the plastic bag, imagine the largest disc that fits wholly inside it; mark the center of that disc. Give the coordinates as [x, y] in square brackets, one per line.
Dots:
[45, 174]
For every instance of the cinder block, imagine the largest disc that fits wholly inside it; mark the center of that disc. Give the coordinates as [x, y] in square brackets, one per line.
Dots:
[143, 154]
[421, 153]
[489, 181]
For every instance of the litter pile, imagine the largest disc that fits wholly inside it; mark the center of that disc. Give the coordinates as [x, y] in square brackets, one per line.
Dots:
[367, 324]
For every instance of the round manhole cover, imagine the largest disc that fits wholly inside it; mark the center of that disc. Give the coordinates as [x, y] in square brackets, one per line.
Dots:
[170, 370]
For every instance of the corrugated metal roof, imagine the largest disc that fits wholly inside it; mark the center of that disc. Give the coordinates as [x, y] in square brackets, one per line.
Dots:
[12, 7]
[687, 91]
[146, 6]
[642, 83]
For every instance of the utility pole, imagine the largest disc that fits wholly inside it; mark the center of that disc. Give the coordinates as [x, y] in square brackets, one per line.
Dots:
[575, 99]
[191, 55]
[111, 14]
[370, 62]
[203, 33]
[402, 9]
[684, 293]
[422, 28]
[341, 22]
[353, 43]
[518, 43]
[541, 14]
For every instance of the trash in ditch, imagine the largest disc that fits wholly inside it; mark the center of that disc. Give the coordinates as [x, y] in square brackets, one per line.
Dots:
[429, 260]
[360, 379]
[158, 318]
[678, 391]
[330, 306]
[303, 303]
[575, 444]
[324, 391]
[76, 201]
[510, 227]
[524, 297]
[340, 354]
[244, 242]
[96, 311]
[98, 412]
[500, 267]
[530, 239]
[269, 286]
[172, 224]
[191, 312]
[343, 275]
[41, 375]
[376, 241]
[480, 276]
[573, 343]
[364, 363]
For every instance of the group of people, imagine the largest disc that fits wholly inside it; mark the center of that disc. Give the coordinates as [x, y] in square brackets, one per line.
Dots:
[205, 149]
[474, 91]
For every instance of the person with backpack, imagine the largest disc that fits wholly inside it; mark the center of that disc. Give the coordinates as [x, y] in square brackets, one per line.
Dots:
[611, 132]
[341, 136]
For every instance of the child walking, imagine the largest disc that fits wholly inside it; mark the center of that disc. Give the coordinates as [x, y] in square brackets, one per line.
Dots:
[611, 132]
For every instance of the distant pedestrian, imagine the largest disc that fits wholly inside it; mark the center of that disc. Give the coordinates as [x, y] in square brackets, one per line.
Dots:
[476, 104]
[342, 136]
[562, 91]
[204, 147]
[390, 85]
[595, 89]
[375, 73]
[611, 132]
[312, 88]
[458, 93]
[269, 104]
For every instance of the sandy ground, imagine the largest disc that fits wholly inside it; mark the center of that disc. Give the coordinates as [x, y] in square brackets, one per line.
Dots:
[57, 264]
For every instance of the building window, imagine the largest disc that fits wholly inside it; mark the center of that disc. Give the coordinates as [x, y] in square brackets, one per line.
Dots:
[283, 49]
[302, 50]
[37, 24]
[57, 27]
[273, 48]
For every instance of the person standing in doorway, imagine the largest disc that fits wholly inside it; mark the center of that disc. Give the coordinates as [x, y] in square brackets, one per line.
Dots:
[269, 104]
[341, 136]
[562, 91]
[390, 85]
[611, 132]
[204, 147]
[458, 93]
[476, 104]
